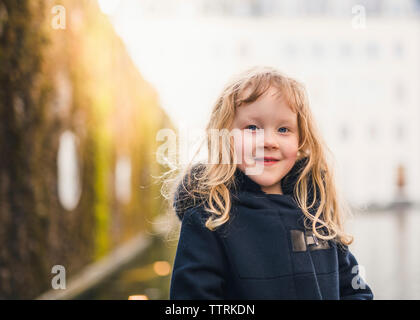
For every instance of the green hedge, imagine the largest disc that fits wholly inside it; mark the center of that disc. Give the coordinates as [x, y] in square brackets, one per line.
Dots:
[79, 79]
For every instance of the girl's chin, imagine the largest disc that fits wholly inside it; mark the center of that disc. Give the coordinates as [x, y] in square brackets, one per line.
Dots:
[249, 163]
[264, 180]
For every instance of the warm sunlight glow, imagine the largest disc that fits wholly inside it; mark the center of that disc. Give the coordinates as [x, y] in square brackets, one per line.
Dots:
[162, 268]
[138, 297]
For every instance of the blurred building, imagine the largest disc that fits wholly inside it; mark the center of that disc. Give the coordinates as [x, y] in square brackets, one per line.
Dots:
[287, 8]
[78, 127]
[360, 61]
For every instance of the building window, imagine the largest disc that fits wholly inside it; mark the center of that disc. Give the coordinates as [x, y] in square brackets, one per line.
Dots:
[68, 171]
[374, 7]
[345, 50]
[315, 7]
[123, 179]
[398, 50]
[317, 50]
[372, 132]
[290, 50]
[344, 133]
[243, 49]
[400, 93]
[372, 50]
[400, 132]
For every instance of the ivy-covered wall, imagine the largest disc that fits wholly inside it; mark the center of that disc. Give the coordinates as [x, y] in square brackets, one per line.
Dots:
[76, 79]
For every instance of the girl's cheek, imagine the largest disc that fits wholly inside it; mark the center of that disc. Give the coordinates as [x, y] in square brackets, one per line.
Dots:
[238, 145]
[244, 145]
[248, 145]
[290, 147]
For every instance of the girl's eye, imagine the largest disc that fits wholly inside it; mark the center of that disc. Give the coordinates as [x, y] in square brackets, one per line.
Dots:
[283, 130]
[252, 127]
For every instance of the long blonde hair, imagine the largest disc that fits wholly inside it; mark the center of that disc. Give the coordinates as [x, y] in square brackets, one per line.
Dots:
[211, 185]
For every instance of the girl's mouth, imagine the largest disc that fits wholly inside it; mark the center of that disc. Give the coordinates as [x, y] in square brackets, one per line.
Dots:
[267, 160]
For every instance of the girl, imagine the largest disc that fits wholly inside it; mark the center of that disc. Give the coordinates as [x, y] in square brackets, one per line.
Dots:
[267, 223]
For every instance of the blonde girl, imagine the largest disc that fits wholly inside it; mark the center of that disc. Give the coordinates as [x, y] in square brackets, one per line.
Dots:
[271, 170]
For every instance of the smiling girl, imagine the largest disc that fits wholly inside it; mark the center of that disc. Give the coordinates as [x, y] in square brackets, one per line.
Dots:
[267, 224]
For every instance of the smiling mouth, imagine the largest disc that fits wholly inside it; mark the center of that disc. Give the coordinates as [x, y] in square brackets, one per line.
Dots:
[267, 159]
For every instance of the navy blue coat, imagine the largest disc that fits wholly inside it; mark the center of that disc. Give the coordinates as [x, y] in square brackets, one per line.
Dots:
[262, 252]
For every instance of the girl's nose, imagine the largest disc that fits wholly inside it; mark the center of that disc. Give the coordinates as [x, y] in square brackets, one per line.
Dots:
[270, 140]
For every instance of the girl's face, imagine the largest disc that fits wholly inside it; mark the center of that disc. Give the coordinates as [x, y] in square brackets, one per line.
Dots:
[266, 128]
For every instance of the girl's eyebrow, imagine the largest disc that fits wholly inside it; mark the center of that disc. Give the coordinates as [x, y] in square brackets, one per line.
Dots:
[257, 118]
